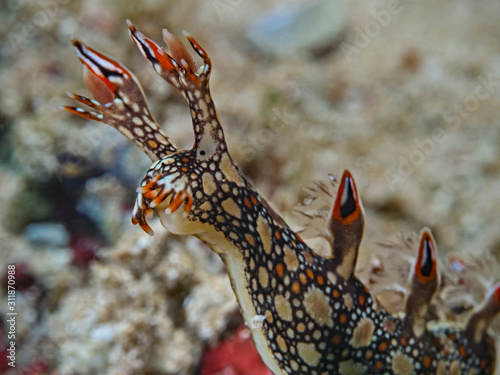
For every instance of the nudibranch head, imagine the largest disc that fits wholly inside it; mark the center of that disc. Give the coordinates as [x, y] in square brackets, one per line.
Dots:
[198, 184]
[168, 185]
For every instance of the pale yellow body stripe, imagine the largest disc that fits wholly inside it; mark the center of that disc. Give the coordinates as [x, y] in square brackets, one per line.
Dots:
[236, 271]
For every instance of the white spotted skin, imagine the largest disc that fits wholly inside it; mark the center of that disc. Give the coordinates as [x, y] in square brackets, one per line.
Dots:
[333, 320]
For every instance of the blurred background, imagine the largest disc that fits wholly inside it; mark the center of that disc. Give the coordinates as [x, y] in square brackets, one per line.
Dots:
[405, 94]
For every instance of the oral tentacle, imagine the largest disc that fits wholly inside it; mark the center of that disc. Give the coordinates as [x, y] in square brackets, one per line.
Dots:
[177, 200]
[94, 104]
[162, 195]
[140, 213]
[81, 112]
[189, 203]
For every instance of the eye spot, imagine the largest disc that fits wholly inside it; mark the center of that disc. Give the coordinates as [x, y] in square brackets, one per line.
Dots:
[203, 152]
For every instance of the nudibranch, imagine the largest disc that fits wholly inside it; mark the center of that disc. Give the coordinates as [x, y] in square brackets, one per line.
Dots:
[307, 313]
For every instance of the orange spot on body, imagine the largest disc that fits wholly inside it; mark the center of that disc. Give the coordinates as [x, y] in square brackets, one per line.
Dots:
[254, 200]
[462, 351]
[361, 299]
[279, 269]
[426, 361]
[379, 365]
[336, 340]
[336, 293]
[343, 318]
[247, 202]
[490, 341]
[185, 160]
[250, 239]
[482, 364]
[152, 144]
[382, 347]
[296, 287]
[321, 280]
[277, 235]
[303, 278]
[310, 273]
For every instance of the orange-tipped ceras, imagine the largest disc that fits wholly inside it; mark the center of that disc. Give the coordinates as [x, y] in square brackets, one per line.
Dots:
[318, 318]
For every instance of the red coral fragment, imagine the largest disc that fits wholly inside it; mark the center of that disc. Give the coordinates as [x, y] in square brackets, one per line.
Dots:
[235, 355]
[84, 249]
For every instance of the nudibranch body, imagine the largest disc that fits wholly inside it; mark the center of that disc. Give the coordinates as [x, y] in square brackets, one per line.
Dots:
[308, 313]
